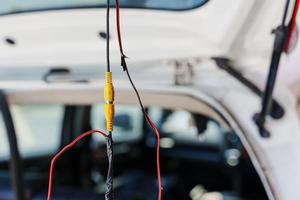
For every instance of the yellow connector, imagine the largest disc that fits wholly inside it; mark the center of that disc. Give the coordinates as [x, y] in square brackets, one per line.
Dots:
[109, 107]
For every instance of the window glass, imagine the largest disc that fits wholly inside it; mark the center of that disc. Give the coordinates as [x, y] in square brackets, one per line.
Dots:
[183, 125]
[38, 128]
[4, 149]
[13, 6]
[128, 122]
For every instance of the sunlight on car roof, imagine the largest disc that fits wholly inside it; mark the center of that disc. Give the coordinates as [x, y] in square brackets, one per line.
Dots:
[18, 6]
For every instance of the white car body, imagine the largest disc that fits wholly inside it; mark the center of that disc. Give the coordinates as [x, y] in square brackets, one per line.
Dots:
[236, 29]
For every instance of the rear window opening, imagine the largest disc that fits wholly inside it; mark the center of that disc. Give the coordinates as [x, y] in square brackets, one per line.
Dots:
[199, 155]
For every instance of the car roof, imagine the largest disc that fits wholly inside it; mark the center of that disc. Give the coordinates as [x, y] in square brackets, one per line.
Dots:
[240, 30]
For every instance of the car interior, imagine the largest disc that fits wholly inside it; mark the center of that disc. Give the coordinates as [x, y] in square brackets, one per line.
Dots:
[200, 158]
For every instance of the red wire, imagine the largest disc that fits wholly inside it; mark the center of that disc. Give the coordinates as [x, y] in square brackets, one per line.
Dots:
[293, 24]
[157, 155]
[294, 18]
[145, 114]
[59, 154]
[119, 27]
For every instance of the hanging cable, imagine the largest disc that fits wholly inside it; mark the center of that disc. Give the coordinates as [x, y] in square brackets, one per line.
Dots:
[109, 116]
[109, 111]
[64, 150]
[148, 119]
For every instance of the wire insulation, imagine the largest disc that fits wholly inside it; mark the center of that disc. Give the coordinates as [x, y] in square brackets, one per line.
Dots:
[118, 17]
[148, 119]
[64, 150]
[107, 36]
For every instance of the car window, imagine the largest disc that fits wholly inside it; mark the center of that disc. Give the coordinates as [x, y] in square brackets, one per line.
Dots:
[183, 125]
[4, 149]
[15, 6]
[128, 123]
[38, 129]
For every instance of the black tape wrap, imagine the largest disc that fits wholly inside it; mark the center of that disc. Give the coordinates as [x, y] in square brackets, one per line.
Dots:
[109, 195]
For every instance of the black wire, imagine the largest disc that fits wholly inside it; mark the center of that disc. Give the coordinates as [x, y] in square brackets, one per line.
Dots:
[107, 36]
[109, 194]
[125, 68]
[286, 9]
[136, 92]
[142, 107]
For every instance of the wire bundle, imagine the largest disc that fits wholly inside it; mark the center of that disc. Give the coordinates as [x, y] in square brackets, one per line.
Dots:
[109, 141]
